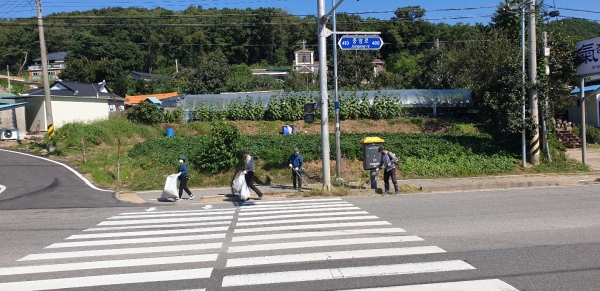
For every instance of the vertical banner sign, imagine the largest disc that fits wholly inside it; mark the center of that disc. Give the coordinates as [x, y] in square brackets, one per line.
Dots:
[50, 131]
[589, 52]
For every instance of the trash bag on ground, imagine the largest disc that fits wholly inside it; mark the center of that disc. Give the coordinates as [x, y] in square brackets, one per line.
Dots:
[239, 184]
[170, 190]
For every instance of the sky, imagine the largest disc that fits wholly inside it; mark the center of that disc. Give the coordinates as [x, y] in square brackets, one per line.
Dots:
[450, 12]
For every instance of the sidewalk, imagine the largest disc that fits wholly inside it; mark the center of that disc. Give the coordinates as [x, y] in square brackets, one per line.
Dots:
[417, 186]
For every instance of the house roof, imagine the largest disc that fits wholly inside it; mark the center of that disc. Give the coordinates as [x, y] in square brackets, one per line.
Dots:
[145, 75]
[59, 56]
[377, 61]
[304, 50]
[75, 89]
[154, 100]
[139, 98]
[7, 106]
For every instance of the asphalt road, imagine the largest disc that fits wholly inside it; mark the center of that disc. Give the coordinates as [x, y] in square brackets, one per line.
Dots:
[519, 239]
[34, 183]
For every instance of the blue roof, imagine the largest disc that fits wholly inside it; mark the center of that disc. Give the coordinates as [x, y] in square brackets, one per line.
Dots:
[586, 89]
[154, 100]
[4, 106]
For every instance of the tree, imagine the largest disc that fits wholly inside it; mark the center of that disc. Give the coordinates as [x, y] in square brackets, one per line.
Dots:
[210, 76]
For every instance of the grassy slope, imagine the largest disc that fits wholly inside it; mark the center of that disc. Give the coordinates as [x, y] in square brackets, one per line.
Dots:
[101, 141]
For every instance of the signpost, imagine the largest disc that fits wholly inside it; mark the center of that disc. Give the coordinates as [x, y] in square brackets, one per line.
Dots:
[355, 42]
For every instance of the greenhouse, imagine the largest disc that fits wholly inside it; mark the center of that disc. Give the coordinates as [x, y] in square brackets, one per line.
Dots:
[408, 98]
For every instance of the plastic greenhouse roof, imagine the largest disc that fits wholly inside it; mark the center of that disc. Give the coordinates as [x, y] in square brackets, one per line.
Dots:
[409, 98]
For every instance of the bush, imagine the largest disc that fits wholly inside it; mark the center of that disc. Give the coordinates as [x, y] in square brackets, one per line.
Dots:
[145, 113]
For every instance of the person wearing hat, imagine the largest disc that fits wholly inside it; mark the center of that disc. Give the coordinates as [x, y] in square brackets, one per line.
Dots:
[388, 160]
[249, 172]
[184, 176]
[296, 161]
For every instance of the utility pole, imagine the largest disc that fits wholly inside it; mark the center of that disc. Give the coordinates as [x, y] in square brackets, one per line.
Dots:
[8, 74]
[323, 92]
[534, 142]
[47, 99]
[338, 151]
[544, 121]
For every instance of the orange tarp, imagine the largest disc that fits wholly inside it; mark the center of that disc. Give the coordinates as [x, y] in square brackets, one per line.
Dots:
[139, 98]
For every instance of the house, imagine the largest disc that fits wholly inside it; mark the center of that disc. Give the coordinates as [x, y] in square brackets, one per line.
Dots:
[377, 67]
[56, 63]
[167, 99]
[592, 105]
[71, 101]
[277, 73]
[12, 116]
[143, 76]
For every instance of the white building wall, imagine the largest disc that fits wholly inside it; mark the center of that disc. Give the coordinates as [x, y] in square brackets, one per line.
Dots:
[71, 109]
[592, 112]
[14, 117]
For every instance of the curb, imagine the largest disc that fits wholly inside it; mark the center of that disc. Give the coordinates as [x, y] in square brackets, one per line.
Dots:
[129, 197]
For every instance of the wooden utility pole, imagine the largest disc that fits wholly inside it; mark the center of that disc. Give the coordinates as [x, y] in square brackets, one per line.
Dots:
[43, 52]
[534, 142]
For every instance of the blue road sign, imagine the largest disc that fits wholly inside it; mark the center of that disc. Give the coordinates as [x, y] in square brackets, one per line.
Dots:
[366, 42]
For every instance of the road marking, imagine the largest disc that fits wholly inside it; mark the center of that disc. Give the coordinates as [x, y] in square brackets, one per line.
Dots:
[2, 188]
[164, 220]
[149, 232]
[476, 285]
[159, 214]
[298, 201]
[317, 234]
[310, 226]
[175, 225]
[342, 273]
[105, 280]
[268, 212]
[327, 256]
[115, 252]
[267, 217]
[108, 264]
[135, 241]
[177, 211]
[293, 221]
[301, 206]
[323, 243]
[207, 207]
[58, 163]
[151, 209]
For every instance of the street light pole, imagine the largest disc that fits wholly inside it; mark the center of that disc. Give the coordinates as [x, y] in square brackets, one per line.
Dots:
[322, 20]
[338, 152]
[523, 139]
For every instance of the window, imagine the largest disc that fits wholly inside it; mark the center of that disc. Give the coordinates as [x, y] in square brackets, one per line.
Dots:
[304, 59]
[36, 73]
[51, 73]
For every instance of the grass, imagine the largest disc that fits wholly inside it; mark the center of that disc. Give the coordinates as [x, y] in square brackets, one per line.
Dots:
[101, 139]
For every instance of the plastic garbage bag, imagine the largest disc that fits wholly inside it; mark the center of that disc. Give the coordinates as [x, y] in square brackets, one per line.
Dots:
[239, 184]
[170, 190]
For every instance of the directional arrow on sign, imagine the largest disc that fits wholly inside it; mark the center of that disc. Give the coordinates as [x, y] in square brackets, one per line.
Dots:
[356, 42]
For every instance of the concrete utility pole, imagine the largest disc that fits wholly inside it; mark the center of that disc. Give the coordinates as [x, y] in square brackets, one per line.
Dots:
[43, 52]
[544, 121]
[323, 92]
[583, 138]
[534, 142]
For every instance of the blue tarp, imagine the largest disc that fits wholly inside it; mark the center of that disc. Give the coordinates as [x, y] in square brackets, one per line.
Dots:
[590, 88]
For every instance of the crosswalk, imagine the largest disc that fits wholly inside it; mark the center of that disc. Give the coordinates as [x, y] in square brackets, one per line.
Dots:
[304, 244]
[318, 243]
[129, 248]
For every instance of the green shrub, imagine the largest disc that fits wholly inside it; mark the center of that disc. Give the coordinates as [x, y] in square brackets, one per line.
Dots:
[145, 113]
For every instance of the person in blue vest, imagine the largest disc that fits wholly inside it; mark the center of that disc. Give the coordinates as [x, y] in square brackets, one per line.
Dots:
[389, 160]
[184, 176]
[296, 161]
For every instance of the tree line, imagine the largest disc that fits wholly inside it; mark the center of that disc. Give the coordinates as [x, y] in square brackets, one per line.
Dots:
[217, 48]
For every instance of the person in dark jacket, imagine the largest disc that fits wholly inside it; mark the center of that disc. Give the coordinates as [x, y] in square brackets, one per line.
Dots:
[249, 173]
[390, 169]
[184, 176]
[296, 161]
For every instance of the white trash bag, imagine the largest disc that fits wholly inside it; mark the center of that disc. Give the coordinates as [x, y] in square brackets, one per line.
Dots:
[239, 184]
[170, 190]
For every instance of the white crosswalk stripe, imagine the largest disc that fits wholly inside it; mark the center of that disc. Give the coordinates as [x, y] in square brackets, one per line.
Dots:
[305, 234]
[160, 244]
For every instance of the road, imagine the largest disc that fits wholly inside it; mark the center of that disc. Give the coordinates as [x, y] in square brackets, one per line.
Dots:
[519, 239]
[36, 183]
